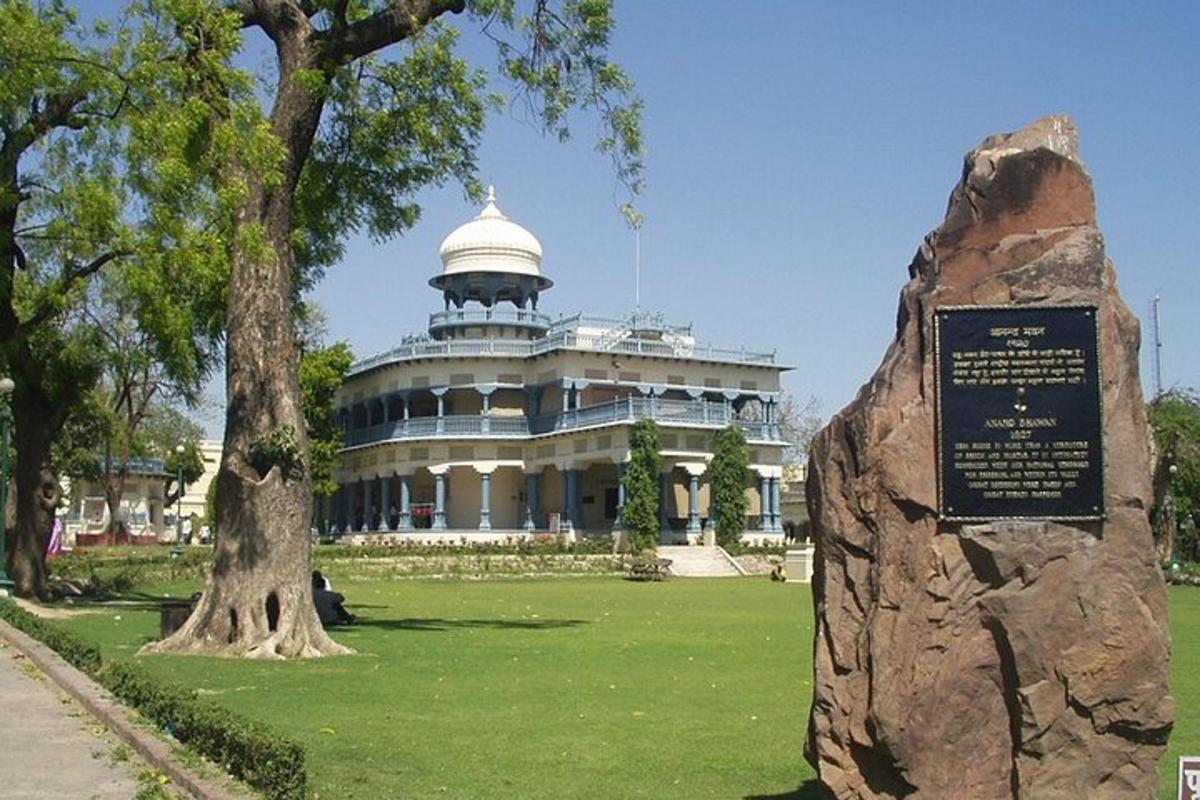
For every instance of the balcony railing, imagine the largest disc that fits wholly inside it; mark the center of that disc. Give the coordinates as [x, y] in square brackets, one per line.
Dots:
[561, 340]
[516, 317]
[692, 413]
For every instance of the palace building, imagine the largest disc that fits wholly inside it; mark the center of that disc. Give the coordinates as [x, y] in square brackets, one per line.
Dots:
[502, 421]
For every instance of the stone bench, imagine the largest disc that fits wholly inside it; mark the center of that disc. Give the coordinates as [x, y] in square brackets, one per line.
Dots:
[650, 569]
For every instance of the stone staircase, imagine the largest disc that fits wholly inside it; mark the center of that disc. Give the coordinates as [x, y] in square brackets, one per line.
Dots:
[700, 562]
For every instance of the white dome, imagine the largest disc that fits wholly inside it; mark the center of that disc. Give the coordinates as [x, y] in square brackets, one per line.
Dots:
[491, 243]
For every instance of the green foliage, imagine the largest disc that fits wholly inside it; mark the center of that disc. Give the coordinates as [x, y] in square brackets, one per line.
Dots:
[110, 571]
[730, 474]
[322, 370]
[640, 514]
[560, 62]
[210, 507]
[84, 434]
[279, 448]
[77, 652]
[192, 463]
[390, 127]
[1175, 419]
[250, 751]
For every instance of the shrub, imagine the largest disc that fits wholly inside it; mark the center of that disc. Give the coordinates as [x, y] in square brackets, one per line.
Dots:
[730, 470]
[248, 750]
[81, 654]
[640, 514]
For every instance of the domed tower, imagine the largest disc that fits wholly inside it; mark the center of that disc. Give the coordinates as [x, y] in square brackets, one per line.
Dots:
[490, 260]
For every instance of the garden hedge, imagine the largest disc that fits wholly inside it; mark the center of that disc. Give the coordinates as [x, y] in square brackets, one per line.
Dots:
[248, 750]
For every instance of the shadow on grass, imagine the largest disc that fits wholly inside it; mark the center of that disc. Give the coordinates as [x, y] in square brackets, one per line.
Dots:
[439, 624]
[125, 601]
[809, 790]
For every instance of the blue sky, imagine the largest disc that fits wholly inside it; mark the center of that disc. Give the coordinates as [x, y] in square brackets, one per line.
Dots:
[798, 152]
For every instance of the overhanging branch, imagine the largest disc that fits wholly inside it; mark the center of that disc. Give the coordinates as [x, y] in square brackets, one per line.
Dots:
[400, 20]
[76, 273]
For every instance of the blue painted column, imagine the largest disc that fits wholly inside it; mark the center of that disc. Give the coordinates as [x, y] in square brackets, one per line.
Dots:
[619, 522]
[404, 522]
[568, 509]
[368, 508]
[339, 509]
[533, 400]
[566, 406]
[693, 504]
[577, 509]
[440, 394]
[533, 499]
[385, 503]
[485, 501]
[764, 502]
[485, 410]
[439, 500]
[777, 504]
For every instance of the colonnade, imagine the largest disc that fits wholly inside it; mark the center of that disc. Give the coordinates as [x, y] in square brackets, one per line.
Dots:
[387, 504]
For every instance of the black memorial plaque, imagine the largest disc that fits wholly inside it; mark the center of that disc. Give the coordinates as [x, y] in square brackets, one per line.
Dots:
[1019, 423]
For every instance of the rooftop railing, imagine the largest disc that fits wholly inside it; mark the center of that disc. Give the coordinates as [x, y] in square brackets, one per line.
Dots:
[561, 340]
[692, 413]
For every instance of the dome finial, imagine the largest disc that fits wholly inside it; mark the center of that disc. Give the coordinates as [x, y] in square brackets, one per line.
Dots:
[491, 198]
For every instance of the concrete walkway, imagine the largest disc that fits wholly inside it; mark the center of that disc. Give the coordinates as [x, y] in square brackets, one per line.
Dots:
[50, 746]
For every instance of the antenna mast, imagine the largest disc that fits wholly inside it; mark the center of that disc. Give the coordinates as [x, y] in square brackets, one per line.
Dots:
[1158, 379]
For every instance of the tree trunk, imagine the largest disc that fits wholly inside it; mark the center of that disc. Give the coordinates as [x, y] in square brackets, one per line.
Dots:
[114, 490]
[38, 494]
[258, 601]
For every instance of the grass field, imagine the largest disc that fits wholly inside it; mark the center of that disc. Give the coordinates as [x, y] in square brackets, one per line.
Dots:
[558, 688]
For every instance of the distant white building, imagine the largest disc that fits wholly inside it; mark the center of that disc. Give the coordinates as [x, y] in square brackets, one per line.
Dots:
[502, 421]
[140, 515]
[195, 493]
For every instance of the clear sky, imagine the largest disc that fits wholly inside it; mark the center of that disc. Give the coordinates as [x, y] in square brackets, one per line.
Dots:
[798, 152]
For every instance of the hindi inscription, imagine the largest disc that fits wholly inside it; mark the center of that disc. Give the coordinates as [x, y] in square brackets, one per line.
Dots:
[1019, 421]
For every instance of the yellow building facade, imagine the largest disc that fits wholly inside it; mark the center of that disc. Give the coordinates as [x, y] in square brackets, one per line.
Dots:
[501, 422]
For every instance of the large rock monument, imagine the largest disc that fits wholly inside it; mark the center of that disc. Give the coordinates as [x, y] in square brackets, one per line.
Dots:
[991, 619]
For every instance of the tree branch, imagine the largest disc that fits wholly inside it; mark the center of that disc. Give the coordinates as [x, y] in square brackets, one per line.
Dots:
[47, 308]
[400, 20]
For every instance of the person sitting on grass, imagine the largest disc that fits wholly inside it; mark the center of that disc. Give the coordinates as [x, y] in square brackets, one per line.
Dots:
[329, 604]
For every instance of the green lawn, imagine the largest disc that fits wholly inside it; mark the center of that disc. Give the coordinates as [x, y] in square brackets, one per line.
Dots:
[559, 688]
[534, 689]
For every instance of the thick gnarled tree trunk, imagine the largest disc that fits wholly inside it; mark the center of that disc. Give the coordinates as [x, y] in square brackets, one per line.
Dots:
[38, 494]
[258, 601]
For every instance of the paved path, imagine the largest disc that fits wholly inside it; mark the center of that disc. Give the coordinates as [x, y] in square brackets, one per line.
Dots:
[51, 747]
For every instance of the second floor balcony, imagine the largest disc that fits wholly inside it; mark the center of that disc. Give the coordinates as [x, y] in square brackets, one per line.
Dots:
[673, 413]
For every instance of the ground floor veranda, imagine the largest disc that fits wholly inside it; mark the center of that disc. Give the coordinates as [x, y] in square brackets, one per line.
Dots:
[490, 500]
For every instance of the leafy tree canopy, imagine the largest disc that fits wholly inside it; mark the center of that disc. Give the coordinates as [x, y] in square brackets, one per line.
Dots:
[1175, 418]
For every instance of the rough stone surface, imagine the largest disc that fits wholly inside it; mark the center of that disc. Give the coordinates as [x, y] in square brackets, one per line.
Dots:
[1013, 659]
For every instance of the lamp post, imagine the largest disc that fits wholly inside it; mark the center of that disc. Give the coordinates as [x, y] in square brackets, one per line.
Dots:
[6, 388]
[179, 500]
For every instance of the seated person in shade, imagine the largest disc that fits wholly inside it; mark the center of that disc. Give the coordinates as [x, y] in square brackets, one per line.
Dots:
[329, 604]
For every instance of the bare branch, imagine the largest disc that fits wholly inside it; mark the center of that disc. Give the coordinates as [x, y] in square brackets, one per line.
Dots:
[400, 20]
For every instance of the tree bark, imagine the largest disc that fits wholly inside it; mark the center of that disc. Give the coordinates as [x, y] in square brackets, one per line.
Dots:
[258, 601]
[38, 494]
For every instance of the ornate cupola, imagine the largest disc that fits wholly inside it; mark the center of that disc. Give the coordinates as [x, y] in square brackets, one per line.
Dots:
[488, 261]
